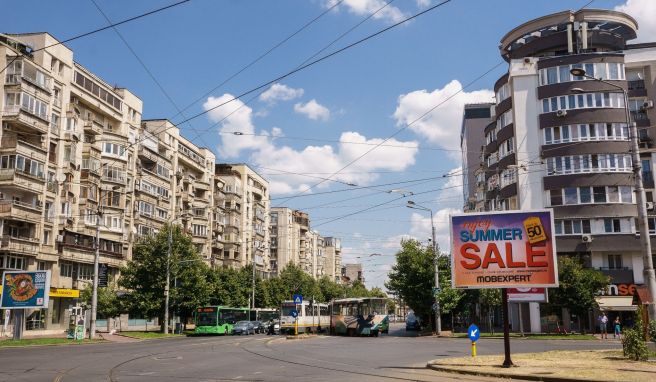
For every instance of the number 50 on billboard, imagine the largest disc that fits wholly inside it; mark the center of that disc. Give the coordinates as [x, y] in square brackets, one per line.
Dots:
[503, 250]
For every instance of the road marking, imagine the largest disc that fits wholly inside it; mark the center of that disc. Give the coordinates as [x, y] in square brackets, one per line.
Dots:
[258, 372]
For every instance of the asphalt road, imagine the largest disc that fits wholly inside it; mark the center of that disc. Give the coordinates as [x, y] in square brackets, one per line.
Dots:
[258, 358]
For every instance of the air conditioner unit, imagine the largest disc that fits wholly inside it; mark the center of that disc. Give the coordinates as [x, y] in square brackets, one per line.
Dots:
[648, 104]
[650, 205]
[586, 238]
[561, 113]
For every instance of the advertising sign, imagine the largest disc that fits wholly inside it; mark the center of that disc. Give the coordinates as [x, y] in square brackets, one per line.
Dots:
[527, 294]
[509, 249]
[25, 290]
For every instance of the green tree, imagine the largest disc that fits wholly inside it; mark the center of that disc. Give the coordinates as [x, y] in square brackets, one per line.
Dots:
[413, 276]
[450, 298]
[144, 277]
[578, 286]
[489, 299]
[109, 304]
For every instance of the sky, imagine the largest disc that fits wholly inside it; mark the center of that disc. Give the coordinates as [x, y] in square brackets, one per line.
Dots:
[316, 134]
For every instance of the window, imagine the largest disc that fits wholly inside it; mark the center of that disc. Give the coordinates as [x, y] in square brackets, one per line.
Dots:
[571, 196]
[34, 105]
[572, 226]
[556, 197]
[85, 272]
[589, 163]
[46, 237]
[612, 225]
[114, 149]
[503, 93]
[559, 74]
[146, 208]
[615, 262]
[583, 101]
[110, 198]
[42, 266]
[22, 165]
[113, 222]
[199, 230]
[65, 269]
[162, 213]
[12, 262]
[99, 92]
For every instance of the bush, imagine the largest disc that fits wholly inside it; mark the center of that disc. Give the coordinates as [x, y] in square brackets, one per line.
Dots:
[652, 330]
[633, 346]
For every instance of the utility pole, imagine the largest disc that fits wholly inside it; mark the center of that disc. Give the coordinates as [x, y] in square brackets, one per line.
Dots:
[94, 294]
[168, 280]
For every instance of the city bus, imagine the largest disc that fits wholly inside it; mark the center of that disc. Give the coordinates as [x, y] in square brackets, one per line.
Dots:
[360, 316]
[312, 317]
[265, 314]
[218, 319]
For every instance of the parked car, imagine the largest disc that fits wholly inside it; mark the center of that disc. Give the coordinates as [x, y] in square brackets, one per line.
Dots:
[259, 326]
[243, 327]
[412, 322]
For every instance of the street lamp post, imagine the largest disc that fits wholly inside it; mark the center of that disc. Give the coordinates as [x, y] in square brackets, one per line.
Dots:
[438, 319]
[648, 264]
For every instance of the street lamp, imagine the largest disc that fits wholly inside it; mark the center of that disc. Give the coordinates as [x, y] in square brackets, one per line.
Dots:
[648, 264]
[438, 320]
[260, 247]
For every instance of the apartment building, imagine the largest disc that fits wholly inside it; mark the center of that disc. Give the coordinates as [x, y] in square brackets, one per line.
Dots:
[229, 203]
[352, 273]
[472, 141]
[333, 258]
[560, 141]
[292, 241]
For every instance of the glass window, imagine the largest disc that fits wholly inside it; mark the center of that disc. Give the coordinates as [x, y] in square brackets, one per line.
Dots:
[559, 227]
[613, 194]
[576, 226]
[589, 70]
[564, 73]
[552, 75]
[585, 226]
[583, 132]
[626, 194]
[586, 194]
[548, 135]
[599, 194]
[556, 197]
[613, 71]
[601, 70]
[554, 103]
[571, 196]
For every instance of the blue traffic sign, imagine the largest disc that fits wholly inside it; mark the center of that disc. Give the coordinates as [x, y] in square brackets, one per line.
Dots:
[473, 333]
[294, 313]
[298, 299]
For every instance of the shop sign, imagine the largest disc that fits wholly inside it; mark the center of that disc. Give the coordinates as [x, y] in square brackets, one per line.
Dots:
[619, 290]
[527, 294]
[67, 293]
[25, 290]
[503, 250]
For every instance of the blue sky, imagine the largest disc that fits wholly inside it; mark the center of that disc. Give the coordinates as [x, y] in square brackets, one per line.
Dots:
[317, 116]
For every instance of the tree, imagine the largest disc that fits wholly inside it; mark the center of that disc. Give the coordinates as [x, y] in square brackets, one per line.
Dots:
[578, 286]
[144, 277]
[490, 299]
[109, 304]
[413, 276]
[449, 298]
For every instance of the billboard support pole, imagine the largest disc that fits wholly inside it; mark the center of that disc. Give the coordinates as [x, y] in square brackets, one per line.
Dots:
[19, 314]
[507, 362]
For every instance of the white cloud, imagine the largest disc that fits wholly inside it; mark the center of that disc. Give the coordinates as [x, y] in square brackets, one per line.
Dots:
[313, 110]
[442, 125]
[367, 7]
[420, 227]
[264, 151]
[423, 3]
[452, 189]
[643, 11]
[280, 92]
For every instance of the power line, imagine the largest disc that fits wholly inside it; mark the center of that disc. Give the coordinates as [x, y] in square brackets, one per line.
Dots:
[101, 29]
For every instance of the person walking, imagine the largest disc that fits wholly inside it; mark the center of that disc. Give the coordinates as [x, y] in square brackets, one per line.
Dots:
[616, 326]
[603, 326]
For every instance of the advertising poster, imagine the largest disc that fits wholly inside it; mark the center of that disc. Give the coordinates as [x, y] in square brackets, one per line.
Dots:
[509, 249]
[25, 290]
[527, 294]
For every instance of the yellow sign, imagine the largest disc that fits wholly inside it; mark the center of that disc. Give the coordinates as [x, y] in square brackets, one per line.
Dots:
[534, 230]
[70, 293]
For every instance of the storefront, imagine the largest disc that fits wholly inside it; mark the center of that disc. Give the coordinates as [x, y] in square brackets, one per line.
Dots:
[52, 320]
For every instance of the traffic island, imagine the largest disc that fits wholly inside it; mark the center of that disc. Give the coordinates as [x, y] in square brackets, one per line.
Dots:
[552, 366]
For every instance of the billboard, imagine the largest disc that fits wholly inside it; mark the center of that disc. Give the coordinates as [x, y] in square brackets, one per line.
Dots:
[25, 290]
[509, 249]
[527, 294]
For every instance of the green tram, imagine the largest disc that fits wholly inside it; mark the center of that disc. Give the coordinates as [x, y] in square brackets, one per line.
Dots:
[361, 316]
[218, 319]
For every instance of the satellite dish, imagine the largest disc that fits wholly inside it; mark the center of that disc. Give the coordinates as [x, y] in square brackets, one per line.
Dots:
[61, 178]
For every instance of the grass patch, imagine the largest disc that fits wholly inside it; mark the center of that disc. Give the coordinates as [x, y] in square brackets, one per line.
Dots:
[149, 335]
[45, 341]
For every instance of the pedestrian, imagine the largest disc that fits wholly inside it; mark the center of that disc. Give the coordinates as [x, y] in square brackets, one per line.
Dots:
[616, 326]
[603, 325]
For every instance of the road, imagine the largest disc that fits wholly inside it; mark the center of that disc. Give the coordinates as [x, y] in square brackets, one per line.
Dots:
[258, 358]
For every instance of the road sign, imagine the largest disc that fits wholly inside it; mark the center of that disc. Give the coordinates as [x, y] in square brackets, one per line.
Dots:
[436, 291]
[298, 299]
[103, 275]
[473, 333]
[294, 313]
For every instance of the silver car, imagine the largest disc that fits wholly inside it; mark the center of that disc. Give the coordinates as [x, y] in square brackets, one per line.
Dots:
[243, 328]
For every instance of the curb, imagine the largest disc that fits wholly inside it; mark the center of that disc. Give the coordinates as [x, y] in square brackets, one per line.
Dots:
[529, 377]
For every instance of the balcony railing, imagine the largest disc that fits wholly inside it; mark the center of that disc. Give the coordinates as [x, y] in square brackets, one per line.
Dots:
[20, 210]
[636, 84]
[26, 117]
[24, 245]
[11, 173]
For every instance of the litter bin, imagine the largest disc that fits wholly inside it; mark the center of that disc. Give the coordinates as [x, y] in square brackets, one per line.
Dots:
[178, 328]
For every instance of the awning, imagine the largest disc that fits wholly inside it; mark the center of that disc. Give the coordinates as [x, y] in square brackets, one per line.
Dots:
[616, 303]
[643, 294]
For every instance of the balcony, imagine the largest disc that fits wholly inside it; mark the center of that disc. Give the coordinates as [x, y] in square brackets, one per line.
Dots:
[25, 118]
[23, 245]
[93, 127]
[36, 151]
[619, 275]
[20, 211]
[217, 227]
[640, 118]
[145, 153]
[18, 178]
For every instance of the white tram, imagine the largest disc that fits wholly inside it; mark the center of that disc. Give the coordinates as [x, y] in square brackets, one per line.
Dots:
[312, 317]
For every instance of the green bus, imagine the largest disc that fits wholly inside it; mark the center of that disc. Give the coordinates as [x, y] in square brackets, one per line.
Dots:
[218, 319]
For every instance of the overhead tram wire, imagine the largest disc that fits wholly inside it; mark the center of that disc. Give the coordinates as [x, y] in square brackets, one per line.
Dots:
[101, 29]
[260, 57]
[199, 133]
[294, 71]
[141, 62]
